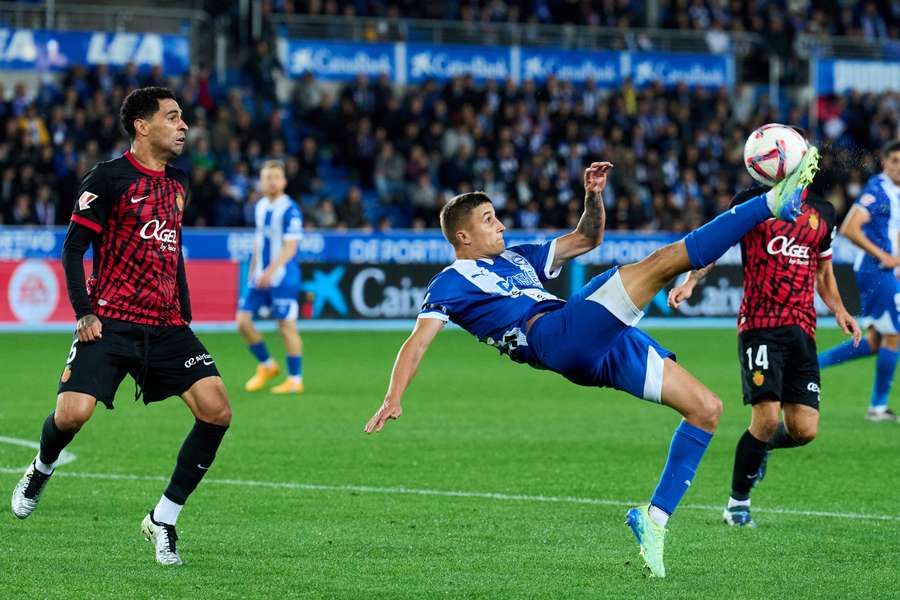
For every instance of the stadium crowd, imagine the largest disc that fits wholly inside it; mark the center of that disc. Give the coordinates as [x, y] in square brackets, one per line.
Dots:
[367, 155]
[872, 19]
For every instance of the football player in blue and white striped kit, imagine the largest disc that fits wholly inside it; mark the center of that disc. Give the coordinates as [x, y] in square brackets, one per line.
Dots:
[873, 224]
[274, 282]
[497, 294]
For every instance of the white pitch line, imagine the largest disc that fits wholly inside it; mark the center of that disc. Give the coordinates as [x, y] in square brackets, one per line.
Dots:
[365, 489]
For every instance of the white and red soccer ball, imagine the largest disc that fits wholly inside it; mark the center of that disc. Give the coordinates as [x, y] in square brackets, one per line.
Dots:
[772, 152]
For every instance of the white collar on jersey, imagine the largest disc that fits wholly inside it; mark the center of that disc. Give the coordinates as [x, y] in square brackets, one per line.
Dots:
[279, 200]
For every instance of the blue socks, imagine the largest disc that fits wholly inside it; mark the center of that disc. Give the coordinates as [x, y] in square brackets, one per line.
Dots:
[843, 353]
[687, 448]
[885, 366]
[707, 243]
[295, 366]
[259, 351]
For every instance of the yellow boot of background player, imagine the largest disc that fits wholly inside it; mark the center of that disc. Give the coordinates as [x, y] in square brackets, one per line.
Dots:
[289, 386]
[264, 374]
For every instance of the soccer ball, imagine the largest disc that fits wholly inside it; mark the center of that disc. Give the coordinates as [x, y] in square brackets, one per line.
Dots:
[772, 152]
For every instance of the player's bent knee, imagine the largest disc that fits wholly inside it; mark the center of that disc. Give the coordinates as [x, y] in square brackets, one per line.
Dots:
[803, 434]
[73, 411]
[705, 411]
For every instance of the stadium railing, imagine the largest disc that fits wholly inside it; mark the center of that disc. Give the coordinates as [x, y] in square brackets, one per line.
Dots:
[362, 29]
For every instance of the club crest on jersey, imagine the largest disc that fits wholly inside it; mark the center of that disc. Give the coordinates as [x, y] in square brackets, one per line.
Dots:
[813, 222]
[179, 202]
[758, 378]
[85, 200]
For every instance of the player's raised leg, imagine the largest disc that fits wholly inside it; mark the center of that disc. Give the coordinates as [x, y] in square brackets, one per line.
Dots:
[701, 410]
[208, 402]
[73, 410]
[293, 347]
[266, 368]
[704, 245]
[849, 350]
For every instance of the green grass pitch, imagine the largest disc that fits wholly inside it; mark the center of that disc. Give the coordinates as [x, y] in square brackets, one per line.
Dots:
[474, 423]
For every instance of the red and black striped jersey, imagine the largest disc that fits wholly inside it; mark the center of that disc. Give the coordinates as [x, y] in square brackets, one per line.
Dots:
[780, 263]
[137, 215]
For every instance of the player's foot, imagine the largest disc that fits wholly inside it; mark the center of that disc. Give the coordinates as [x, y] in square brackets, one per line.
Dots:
[887, 414]
[264, 374]
[28, 491]
[761, 473]
[163, 538]
[289, 386]
[738, 516]
[651, 536]
[787, 197]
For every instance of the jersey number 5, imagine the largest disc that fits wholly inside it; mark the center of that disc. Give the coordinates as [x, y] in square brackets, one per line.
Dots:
[762, 357]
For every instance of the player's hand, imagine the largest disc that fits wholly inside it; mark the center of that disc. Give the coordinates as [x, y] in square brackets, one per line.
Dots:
[849, 326]
[265, 280]
[89, 328]
[595, 177]
[390, 409]
[889, 261]
[680, 293]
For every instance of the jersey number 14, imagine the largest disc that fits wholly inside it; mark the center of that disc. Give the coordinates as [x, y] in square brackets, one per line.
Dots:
[762, 357]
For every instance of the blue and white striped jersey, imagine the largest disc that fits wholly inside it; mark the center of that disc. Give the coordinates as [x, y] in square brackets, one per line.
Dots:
[493, 298]
[277, 222]
[881, 199]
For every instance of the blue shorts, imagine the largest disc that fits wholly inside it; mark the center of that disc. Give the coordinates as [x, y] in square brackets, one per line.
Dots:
[592, 341]
[879, 295]
[279, 303]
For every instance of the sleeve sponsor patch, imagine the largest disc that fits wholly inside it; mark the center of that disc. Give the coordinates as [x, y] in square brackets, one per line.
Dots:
[866, 199]
[85, 200]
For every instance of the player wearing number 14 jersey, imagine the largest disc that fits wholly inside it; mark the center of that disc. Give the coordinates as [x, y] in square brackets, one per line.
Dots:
[784, 263]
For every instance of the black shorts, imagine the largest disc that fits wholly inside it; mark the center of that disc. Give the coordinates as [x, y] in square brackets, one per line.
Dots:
[164, 361]
[779, 363]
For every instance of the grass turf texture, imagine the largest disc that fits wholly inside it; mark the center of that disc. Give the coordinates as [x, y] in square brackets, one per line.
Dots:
[473, 422]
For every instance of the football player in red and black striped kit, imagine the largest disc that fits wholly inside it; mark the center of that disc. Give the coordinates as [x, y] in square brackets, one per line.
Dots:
[133, 314]
[784, 264]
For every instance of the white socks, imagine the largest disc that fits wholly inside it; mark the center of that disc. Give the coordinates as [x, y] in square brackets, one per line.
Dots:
[166, 511]
[732, 502]
[659, 516]
[43, 468]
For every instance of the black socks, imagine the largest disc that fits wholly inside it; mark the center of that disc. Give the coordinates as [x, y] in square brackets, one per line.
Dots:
[195, 457]
[747, 459]
[53, 440]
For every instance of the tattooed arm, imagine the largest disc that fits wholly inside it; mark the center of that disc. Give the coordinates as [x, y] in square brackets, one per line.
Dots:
[589, 232]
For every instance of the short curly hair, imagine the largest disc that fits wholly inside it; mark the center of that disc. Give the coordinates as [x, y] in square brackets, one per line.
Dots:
[141, 103]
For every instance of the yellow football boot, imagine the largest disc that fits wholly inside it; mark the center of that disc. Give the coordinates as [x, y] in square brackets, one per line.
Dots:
[289, 386]
[263, 375]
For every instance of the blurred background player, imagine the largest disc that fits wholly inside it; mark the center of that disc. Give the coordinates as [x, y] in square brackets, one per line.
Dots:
[497, 294]
[873, 224]
[274, 282]
[784, 263]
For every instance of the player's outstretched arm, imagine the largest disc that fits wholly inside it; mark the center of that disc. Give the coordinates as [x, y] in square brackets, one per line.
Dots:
[682, 292]
[589, 232]
[852, 230]
[408, 359]
[826, 285]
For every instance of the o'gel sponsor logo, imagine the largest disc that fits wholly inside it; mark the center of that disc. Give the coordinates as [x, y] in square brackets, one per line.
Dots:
[785, 246]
